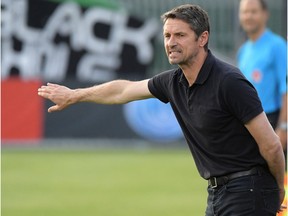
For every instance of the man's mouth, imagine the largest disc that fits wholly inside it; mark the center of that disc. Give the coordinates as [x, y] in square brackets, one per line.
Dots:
[174, 52]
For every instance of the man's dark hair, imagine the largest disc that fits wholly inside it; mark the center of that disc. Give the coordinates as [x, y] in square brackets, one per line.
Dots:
[263, 5]
[194, 15]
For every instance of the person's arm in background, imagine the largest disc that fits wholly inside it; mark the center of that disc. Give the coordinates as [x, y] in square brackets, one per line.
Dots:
[114, 92]
[281, 128]
[280, 64]
[270, 149]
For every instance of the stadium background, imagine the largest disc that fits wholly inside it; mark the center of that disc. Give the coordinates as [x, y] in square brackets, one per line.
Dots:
[85, 42]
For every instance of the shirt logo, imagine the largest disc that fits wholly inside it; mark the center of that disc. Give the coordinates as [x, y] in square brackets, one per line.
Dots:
[256, 76]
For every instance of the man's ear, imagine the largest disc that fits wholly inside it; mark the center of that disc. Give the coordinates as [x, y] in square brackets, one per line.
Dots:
[203, 39]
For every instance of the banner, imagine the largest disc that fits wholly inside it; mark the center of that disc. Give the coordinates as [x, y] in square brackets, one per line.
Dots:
[77, 45]
[52, 41]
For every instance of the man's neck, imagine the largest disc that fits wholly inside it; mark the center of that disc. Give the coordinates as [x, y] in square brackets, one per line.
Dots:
[256, 35]
[192, 70]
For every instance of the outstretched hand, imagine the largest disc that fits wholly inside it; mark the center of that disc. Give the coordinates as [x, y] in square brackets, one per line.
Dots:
[58, 94]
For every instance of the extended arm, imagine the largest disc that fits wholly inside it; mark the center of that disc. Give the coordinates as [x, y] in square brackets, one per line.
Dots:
[114, 92]
[270, 148]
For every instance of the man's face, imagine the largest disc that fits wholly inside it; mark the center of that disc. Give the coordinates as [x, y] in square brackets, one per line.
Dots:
[180, 41]
[252, 16]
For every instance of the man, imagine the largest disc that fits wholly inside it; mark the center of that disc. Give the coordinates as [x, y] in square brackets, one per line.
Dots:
[230, 138]
[263, 60]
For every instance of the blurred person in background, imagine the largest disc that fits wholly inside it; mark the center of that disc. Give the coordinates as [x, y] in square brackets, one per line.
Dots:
[263, 60]
[233, 145]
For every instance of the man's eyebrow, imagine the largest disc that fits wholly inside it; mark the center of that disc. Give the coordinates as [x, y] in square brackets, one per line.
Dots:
[179, 32]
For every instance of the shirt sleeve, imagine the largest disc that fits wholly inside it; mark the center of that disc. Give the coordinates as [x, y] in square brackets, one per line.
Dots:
[240, 97]
[158, 86]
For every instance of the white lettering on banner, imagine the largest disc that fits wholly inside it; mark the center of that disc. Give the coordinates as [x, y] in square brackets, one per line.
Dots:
[66, 21]
[6, 18]
[97, 67]
[56, 61]
[13, 18]
[26, 61]
[41, 57]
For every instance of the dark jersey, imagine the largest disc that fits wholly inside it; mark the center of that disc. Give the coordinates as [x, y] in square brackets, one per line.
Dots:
[212, 113]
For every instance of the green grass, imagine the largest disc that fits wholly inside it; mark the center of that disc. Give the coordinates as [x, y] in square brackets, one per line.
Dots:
[101, 183]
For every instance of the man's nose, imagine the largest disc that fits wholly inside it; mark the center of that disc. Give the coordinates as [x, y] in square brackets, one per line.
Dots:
[172, 42]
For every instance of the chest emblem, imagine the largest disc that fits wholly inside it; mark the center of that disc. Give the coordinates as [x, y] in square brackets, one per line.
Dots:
[257, 76]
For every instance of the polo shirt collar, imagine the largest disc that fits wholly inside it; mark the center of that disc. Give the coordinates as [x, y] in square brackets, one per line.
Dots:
[204, 71]
[262, 37]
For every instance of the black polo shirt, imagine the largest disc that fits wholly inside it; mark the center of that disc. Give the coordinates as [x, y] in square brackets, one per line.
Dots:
[212, 113]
